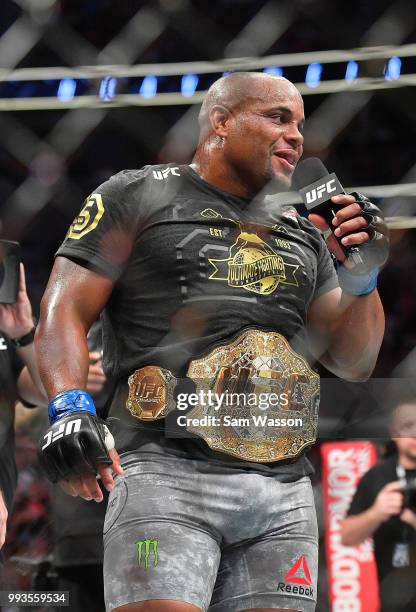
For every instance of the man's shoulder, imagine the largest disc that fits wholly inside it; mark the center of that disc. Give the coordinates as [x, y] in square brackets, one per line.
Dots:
[151, 172]
[384, 470]
[137, 182]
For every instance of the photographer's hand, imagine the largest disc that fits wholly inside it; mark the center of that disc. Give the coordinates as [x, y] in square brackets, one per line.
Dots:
[389, 502]
[16, 319]
[409, 517]
[3, 519]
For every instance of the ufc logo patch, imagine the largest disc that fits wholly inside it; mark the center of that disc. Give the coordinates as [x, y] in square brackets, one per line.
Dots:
[64, 429]
[162, 174]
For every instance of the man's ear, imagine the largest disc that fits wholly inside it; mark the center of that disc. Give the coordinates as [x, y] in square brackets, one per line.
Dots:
[220, 118]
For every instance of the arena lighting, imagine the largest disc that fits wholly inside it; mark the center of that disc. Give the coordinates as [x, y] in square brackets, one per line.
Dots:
[313, 75]
[277, 70]
[66, 89]
[351, 72]
[393, 69]
[107, 88]
[29, 91]
[189, 83]
[148, 88]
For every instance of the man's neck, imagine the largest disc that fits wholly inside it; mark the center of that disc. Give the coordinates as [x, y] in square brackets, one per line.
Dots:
[213, 169]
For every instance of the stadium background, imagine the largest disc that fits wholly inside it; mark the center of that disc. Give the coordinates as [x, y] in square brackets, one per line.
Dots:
[64, 131]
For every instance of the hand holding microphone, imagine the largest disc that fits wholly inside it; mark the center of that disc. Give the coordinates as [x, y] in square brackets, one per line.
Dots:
[359, 237]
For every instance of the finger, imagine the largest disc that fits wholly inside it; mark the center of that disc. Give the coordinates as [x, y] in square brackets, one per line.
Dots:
[106, 471]
[3, 532]
[91, 488]
[95, 373]
[77, 486]
[393, 510]
[318, 222]
[22, 279]
[350, 226]
[3, 522]
[354, 239]
[67, 486]
[106, 477]
[335, 248]
[395, 485]
[95, 381]
[116, 462]
[94, 387]
[348, 212]
[396, 500]
[343, 199]
[94, 356]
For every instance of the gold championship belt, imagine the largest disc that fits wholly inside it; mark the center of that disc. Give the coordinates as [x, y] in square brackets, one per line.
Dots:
[258, 399]
[272, 413]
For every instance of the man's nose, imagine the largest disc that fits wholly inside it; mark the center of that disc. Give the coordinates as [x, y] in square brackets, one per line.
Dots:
[293, 135]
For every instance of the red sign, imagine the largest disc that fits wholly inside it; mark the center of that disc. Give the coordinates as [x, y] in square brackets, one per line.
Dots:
[352, 572]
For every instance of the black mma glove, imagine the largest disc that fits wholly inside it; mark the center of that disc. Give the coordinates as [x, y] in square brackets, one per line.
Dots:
[375, 252]
[75, 444]
[77, 440]
[361, 279]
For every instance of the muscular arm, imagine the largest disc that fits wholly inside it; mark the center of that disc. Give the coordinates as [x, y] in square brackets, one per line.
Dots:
[73, 300]
[347, 332]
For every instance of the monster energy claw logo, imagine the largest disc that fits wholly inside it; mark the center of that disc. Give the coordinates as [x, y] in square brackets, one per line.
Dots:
[146, 544]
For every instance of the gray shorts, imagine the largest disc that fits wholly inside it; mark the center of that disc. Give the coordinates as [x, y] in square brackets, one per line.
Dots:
[221, 538]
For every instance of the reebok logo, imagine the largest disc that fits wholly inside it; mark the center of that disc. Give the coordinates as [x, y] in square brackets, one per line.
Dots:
[159, 175]
[304, 575]
[298, 580]
[3, 345]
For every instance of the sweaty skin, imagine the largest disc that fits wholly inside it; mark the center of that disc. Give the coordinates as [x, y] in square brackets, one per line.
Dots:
[251, 126]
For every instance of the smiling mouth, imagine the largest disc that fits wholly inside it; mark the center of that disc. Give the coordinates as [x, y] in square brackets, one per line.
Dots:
[288, 162]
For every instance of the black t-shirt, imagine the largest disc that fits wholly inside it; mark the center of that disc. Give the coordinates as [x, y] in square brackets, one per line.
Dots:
[10, 367]
[390, 532]
[194, 266]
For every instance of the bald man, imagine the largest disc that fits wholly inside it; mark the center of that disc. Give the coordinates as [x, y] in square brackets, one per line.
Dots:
[205, 295]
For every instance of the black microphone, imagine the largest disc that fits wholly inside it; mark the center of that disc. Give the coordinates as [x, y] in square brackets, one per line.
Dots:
[317, 186]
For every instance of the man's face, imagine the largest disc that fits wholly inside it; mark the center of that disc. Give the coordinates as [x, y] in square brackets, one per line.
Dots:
[264, 142]
[404, 430]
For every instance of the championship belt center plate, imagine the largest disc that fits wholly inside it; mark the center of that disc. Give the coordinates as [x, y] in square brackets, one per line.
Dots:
[270, 398]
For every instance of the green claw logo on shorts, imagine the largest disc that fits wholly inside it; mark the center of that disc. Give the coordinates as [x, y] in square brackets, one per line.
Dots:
[143, 550]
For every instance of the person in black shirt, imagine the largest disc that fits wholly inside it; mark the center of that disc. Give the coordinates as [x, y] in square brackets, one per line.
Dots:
[18, 378]
[200, 283]
[384, 507]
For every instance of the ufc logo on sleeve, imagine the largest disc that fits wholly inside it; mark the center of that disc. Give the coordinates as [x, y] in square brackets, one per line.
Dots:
[65, 429]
